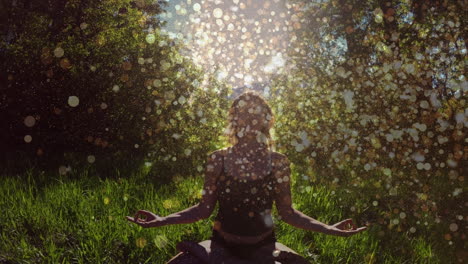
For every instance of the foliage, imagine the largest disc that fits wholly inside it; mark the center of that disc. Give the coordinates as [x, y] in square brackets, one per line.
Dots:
[98, 82]
[376, 104]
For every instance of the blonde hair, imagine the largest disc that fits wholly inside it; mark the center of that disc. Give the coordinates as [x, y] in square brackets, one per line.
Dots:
[262, 111]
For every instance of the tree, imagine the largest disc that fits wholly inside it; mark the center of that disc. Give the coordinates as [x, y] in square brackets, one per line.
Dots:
[377, 103]
[98, 82]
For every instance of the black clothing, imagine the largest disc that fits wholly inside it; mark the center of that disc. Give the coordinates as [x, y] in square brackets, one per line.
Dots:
[243, 251]
[245, 204]
[245, 209]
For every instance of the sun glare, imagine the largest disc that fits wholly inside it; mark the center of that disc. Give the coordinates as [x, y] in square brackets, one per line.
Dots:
[248, 40]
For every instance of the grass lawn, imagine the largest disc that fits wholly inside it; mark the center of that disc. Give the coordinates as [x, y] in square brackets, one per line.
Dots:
[79, 218]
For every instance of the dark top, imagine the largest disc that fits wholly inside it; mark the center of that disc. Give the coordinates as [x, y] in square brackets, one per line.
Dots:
[245, 205]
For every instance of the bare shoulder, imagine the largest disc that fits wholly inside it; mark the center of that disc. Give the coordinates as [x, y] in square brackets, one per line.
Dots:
[215, 161]
[278, 155]
[217, 154]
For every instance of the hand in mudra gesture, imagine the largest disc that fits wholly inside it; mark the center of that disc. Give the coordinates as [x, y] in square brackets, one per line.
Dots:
[148, 220]
[346, 228]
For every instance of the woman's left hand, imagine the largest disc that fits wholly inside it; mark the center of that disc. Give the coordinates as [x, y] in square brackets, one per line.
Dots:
[345, 228]
[346, 225]
[150, 219]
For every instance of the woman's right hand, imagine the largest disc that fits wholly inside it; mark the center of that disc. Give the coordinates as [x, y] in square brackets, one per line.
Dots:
[150, 220]
[345, 228]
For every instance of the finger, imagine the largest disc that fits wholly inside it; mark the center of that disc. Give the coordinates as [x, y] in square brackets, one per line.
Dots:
[141, 220]
[351, 224]
[346, 221]
[140, 212]
[349, 221]
[339, 224]
[144, 212]
[357, 230]
[344, 224]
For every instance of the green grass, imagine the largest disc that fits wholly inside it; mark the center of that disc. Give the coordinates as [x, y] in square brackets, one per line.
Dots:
[79, 218]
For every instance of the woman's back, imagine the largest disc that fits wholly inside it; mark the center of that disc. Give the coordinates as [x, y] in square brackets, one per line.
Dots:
[245, 192]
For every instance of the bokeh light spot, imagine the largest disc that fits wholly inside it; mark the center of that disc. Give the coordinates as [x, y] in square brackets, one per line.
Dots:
[29, 121]
[91, 158]
[218, 13]
[73, 101]
[28, 138]
[141, 242]
[150, 38]
[453, 227]
[196, 7]
[59, 52]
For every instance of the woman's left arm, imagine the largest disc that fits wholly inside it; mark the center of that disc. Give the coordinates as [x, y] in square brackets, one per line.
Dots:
[202, 210]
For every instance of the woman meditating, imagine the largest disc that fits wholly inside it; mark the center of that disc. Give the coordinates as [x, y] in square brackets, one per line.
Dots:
[245, 179]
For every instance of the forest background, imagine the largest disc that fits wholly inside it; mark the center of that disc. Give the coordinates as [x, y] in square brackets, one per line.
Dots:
[103, 113]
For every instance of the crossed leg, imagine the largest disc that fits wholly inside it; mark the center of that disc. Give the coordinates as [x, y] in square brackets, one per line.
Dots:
[279, 254]
[185, 258]
[218, 254]
[205, 252]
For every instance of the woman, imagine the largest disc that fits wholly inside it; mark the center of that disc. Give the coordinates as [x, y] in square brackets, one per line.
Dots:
[245, 179]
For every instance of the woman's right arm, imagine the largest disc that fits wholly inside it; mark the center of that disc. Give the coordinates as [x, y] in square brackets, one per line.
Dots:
[294, 217]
